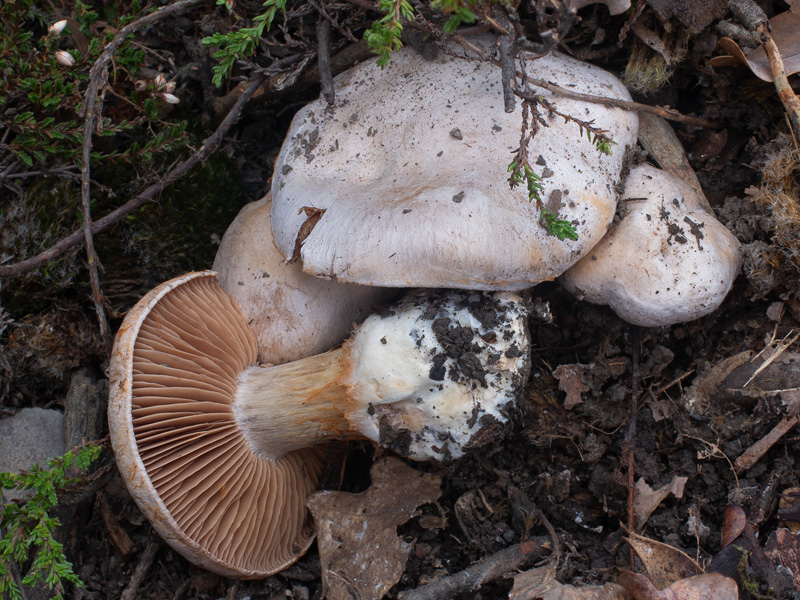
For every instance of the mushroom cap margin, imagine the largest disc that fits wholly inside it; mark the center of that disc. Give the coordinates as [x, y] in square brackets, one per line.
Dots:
[129, 461]
[668, 261]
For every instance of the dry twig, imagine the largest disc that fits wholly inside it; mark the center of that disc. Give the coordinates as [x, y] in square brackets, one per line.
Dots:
[145, 561]
[484, 571]
[752, 455]
[754, 18]
[92, 109]
[507, 60]
[324, 60]
[206, 149]
[667, 113]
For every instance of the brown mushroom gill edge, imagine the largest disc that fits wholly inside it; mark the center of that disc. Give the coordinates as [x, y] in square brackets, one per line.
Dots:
[178, 447]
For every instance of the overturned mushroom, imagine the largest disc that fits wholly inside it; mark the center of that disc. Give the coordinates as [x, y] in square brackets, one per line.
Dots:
[420, 151]
[292, 314]
[219, 453]
[666, 262]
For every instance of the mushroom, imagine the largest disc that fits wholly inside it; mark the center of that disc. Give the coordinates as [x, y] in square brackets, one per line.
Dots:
[666, 262]
[293, 315]
[219, 452]
[420, 151]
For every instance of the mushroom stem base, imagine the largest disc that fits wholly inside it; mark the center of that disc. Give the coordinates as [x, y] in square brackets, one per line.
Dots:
[294, 405]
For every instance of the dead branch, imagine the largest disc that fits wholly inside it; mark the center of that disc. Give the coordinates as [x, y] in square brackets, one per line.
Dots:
[785, 92]
[98, 76]
[752, 455]
[483, 571]
[507, 59]
[667, 113]
[206, 149]
[324, 60]
[754, 18]
[145, 561]
[63, 171]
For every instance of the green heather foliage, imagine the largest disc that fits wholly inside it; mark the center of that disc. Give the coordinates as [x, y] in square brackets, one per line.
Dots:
[241, 43]
[139, 137]
[28, 528]
[41, 98]
[383, 37]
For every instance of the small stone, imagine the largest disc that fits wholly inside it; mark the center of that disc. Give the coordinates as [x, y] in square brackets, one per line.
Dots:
[32, 436]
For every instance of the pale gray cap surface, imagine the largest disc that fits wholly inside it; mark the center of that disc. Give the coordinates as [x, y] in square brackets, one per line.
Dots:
[292, 314]
[667, 261]
[410, 170]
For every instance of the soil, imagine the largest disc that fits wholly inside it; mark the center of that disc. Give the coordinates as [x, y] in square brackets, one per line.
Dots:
[562, 465]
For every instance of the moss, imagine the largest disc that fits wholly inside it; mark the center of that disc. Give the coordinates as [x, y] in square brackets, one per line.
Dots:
[176, 233]
[38, 217]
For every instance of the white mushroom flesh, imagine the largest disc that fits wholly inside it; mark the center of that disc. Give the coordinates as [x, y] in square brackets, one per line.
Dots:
[438, 369]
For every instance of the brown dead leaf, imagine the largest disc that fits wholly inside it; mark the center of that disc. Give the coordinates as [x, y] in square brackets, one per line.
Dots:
[313, 215]
[698, 396]
[533, 582]
[708, 586]
[660, 409]
[654, 42]
[733, 524]
[540, 584]
[783, 548]
[664, 564]
[570, 380]
[786, 33]
[646, 499]
[360, 554]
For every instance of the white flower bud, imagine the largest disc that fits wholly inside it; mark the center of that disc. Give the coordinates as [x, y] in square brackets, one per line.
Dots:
[170, 87]
[65, 58]
[57, 27]
[170, 98]
[159, 81]
[140, 85]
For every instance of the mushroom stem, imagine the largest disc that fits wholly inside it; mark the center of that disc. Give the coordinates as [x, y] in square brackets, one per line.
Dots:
[295, 405]
[424, 378]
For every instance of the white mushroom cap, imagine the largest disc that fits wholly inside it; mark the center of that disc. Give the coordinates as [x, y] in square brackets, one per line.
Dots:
[410, 169]
[667, 261]
[293, 315]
